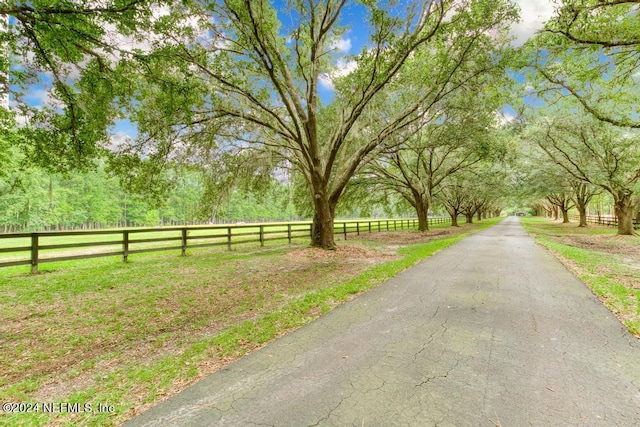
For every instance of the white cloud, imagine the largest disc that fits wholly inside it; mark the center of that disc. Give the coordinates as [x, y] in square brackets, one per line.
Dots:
[342, 45]
[145, 42]
[43, 97]
[533, 14]
[325, 81]
[118, 141]
[345, 68]
[505, 117]
[342, 69]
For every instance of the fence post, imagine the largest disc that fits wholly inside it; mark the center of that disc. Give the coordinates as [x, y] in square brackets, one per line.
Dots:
[369, 226]
[34, 253]
[184, 242]
[228, 238]
[344, 230]
[262, 235]
[378, 226]
[289, 232]
[357, 228]
[125, 245]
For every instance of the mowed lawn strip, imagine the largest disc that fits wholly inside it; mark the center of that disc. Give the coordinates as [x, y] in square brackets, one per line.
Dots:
[127, 335]
[607, 263]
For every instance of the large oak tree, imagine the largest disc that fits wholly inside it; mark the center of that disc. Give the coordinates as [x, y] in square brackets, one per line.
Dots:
[255, 81]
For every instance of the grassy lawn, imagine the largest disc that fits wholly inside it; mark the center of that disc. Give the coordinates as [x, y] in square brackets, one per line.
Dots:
[125, 335]
[607, 263]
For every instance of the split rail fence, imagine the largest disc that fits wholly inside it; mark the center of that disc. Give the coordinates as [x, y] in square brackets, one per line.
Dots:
[611, 221]
[51, 246]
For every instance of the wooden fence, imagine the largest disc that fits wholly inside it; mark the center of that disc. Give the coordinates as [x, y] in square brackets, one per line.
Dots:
[50, 246]
[611, 221]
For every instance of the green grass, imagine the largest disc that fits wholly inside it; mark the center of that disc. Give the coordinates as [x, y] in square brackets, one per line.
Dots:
[606, 269]
[184, 312]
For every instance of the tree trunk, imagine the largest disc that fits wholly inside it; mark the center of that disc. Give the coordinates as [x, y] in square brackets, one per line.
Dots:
[422, 210]
[454, 220]
[479, 216]
[624, 212]
[469, 218]
[555, 213]
[582, 211]
[322, 227]
[565, 215]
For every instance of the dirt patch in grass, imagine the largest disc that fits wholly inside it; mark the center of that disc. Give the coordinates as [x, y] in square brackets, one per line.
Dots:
[624, 246]
[352, 253]
[411, 237]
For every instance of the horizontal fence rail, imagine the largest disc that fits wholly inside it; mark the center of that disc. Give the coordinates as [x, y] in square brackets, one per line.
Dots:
[45, 246]
[611, 221]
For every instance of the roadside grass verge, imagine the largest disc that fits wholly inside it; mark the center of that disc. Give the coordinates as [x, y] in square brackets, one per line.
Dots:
[128, 335]
[608, 264]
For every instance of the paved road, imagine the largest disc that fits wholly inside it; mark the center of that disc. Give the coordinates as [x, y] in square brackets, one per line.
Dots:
[492, 331]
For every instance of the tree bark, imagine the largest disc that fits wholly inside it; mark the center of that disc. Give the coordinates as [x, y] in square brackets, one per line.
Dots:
[582, 211]
[454, 220]
[469, 218]
[565, 215]
[422, 210]
[322, 227]
[624, 212]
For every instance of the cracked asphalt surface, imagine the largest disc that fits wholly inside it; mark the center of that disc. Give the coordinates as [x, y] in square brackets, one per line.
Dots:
[491, 331]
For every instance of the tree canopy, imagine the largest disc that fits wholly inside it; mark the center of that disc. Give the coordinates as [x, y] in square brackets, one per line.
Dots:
[255, 82]
[62, 69]
[590, 50]
[244, 94]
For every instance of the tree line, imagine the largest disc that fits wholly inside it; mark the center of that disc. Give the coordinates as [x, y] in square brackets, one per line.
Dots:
[43, 201]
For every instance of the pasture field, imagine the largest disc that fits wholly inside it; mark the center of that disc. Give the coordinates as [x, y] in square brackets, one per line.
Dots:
[126, 335]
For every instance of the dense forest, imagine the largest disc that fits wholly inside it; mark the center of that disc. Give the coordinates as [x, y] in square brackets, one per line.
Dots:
[38, 200]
